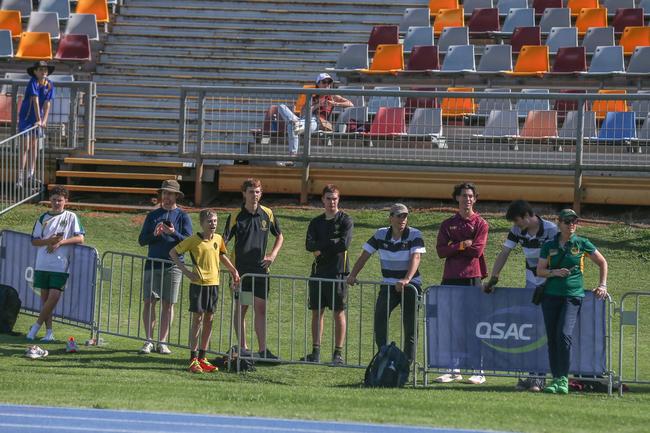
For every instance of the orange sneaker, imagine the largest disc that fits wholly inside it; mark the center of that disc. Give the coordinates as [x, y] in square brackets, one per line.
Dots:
[206, 366]
[195, 366]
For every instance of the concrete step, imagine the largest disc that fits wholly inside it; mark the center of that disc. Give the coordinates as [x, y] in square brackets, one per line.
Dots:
[189, 77]
[138, 43]
[215, 72]
[89, 161]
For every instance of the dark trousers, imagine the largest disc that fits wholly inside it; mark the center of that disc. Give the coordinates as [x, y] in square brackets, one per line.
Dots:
[560, 316]
[388, 299]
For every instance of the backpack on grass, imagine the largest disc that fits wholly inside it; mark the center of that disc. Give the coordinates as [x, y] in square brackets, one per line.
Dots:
[9, 308]
[389, 368]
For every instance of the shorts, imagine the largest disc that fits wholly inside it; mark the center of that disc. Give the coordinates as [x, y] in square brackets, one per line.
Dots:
[332, 295]
[258, 285]
[50, 280]
[171, 282]
[203, 299]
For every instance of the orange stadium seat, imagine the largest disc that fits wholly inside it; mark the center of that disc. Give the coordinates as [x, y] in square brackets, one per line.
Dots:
[301, 100]
[34, 46]
[532, 60]
[591, 17]
[73, 47]
[601, 108]
[540, 124]
[436, 5]
[388, 58]
[448, 18]
[389, 120]
[577, 5]
[634, 37]
[10, 20]
[455, 107]
[97, 7]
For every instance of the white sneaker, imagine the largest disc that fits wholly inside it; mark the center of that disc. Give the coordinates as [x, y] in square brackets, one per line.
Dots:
[49, 337]
[454, 376]
[35, 352]
[146, 349]
[33, 331]
[298, 128]
[476, 379]
[163, 349]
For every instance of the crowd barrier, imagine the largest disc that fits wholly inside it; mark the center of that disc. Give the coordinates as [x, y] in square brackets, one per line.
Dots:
[77, 306]
[631, 318]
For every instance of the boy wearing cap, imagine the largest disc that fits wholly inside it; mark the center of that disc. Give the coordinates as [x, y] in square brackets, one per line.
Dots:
[400, 248]
[321, 113]
[162, 230]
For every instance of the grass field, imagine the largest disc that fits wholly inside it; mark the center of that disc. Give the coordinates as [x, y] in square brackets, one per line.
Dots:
[114, 376]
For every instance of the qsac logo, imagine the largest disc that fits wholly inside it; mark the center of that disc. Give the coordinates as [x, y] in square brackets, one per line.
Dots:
[510, 332]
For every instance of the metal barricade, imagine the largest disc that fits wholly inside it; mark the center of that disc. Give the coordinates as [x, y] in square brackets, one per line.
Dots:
[19, 155]
[631, 318]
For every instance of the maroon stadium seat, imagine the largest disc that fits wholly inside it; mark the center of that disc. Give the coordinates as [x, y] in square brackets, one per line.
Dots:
[525, 36]
[570, 59]
[423, 58]
[484, 20]
[540, 5]
[627, 18]
[381, 35]
[73, 47]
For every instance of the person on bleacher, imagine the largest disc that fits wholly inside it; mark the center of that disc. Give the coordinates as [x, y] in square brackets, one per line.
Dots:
[321, 113]
[34, 111]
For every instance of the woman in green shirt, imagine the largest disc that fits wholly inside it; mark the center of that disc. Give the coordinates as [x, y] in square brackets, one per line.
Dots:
[561, 262]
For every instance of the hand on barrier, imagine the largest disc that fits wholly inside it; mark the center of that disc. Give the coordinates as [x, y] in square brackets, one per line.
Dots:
[351, 280]
[399, 286]
[600, 292]
[488, 287]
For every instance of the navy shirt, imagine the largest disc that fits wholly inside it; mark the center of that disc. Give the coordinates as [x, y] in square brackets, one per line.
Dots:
[159, 246]
[27, 115]
[332, 238]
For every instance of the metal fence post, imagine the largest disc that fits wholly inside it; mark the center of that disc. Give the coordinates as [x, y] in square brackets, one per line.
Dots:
[198, 172]
[304, 184]
[73, 133]
[181, 120]
[577, 179]
[14, 108]
[89, 102]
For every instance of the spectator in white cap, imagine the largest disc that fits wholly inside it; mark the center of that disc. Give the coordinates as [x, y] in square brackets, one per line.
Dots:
[321, 113]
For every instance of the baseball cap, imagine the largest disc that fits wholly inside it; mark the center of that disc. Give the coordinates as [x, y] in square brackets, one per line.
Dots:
[323, 76]
[567, 214]
[398, 209]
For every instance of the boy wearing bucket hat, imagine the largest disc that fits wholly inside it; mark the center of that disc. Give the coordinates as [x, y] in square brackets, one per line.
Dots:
[163, 229]
[34, 111]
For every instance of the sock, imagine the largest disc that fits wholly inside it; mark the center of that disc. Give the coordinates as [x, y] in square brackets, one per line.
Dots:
[31, 172]
[21, 175]
[338, 351]
[193, 355]
[33, 331]
[315, 349]
[201, 354]
[48, 332]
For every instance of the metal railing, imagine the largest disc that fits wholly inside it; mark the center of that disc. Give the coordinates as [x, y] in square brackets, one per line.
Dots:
[71, 121]
[21, 168]
[632, 318]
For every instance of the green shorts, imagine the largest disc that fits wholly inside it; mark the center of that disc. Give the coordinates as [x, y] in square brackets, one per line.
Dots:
[50, 280]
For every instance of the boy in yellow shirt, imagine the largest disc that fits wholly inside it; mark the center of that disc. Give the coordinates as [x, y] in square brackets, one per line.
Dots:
[207, 250]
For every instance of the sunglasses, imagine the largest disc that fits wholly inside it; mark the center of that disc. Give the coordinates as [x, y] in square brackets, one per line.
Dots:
[401, 215]
[569, 221]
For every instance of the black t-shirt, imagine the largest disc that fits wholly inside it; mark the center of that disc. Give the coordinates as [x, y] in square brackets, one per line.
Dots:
[332, 238]
[251, 233]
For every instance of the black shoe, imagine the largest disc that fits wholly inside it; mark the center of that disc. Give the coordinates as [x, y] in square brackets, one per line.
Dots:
[266, 355]
[337, 359]
[311, 357]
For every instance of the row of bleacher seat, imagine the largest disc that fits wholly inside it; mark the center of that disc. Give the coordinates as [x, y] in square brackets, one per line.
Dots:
[539, 5]
[38, 46]
[62, 7]
[50, 22]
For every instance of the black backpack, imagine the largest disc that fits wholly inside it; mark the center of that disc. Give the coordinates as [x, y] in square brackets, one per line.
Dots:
[9, 308]
[229, 363]
[389, 368]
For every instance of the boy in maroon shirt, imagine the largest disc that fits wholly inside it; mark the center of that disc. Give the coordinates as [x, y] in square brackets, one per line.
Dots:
[461, 242]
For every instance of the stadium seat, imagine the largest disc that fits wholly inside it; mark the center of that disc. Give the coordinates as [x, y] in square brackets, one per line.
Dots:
[570, 126]
[555, 17]
[388, 121]
[618, 126]
[34, 46]
[97, 7]
[640, 61]
[82, 24]
[641, 107]
[560, 37]
[453, 36]
[381, 35]
[353, 56]
[470, 5]
[301, 100]
[6, 44]
[525, 36]
[455, 107]
[504, 6]
[613, 5]
[532, 60]
[418, 36]
[644, 132]
[524, 106]
[570, 60]
[595, 17]
[632, 17]
[540, 124]
[61, 7]
[484, 20]
[415, 17]
[44, 22]
[375, 102]
[10, 20]
[598, 37]
[524, 17]
[602, 107]
[426, 121]
[501, 123]
[436, 5]
[423, 58]
[541, 5]
[5, 108]
[73, 47]
[357, 100]
[486, 105]
[413, 103]
[562, 106]
[496, 58]
[577, 5]
[24, 6]
[634, 37]
[358, 114]
[388, 58]
[645, 5]
[459, 58]
[607, 60]
[448, 18]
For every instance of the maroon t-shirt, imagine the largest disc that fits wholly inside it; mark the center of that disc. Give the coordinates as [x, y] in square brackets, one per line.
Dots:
[468, 262]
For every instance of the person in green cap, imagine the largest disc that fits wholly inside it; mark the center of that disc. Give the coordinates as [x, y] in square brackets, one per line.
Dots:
[561, 262]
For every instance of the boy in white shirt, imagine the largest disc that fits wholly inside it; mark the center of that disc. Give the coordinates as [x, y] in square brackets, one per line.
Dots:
[55, 233]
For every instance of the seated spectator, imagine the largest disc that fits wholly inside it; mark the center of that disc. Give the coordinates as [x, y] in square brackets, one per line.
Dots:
[321, 113]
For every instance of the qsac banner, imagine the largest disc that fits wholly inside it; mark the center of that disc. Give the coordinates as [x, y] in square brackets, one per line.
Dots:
[504, 331]
[17, 259]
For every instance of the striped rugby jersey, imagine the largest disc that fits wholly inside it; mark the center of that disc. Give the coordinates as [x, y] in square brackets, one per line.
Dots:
[395, 255]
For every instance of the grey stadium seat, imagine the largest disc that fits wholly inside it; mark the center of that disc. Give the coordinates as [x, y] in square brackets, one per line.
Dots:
[360, 114]
[496, 58]
[569, 128]
[641, 107]
[504, 6]
[426, 121]
[418, 36]
[375, 102]
[415, 17]
[45, 22]
[526, 105]
[470, 5]
[640, 61]
[452, 36]
[555, 17]
[598, 37]
[353, 56]
[518, 17]
[487, 105]
[613, 5]
[6, 44]
[501, 123]
[560, 37]
[607, 60]
[459, 58]
[83, 24]
[24, 6]
[61, 7]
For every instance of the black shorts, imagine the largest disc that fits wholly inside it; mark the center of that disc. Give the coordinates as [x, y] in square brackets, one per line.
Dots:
[258, 285]
[332, 295]
[203, 299]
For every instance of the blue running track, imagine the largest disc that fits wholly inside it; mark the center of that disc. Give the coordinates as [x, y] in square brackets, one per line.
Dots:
[42, 419]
